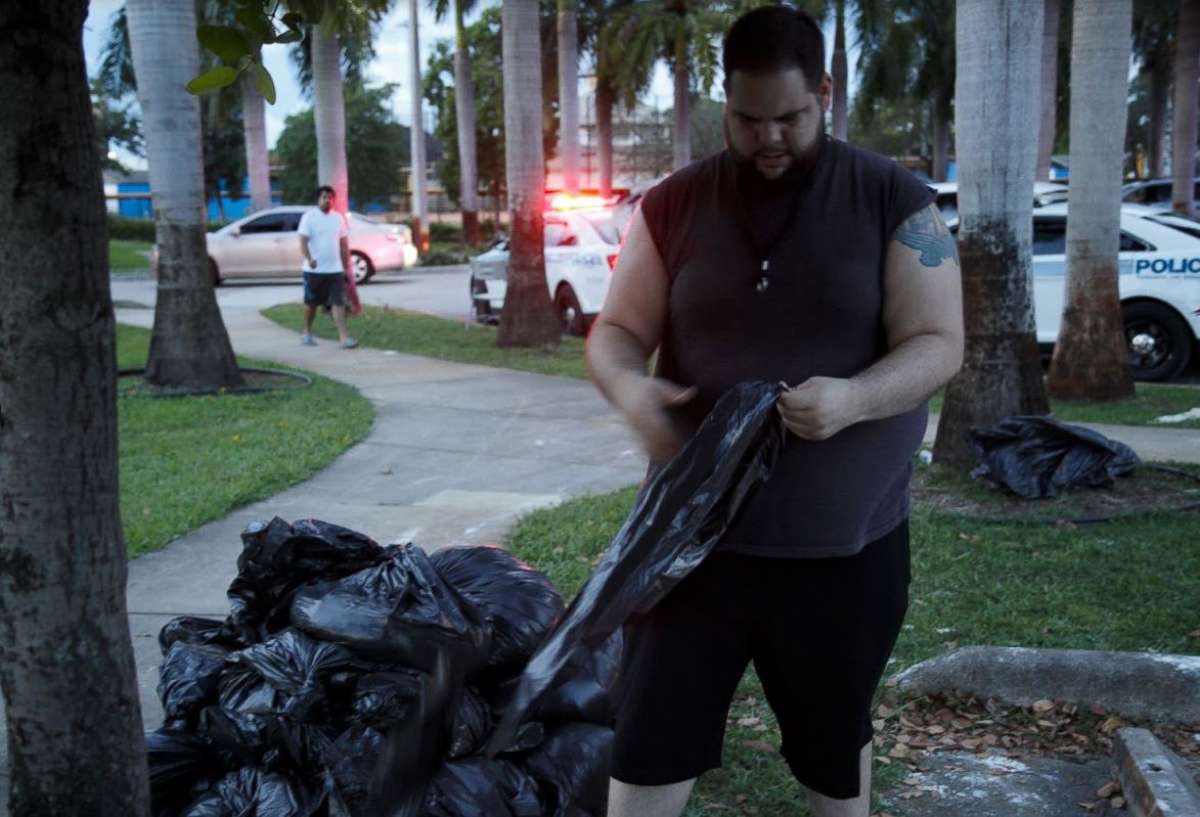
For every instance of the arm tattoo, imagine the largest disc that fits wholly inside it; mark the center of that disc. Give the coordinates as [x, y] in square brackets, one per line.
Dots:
[926, 233]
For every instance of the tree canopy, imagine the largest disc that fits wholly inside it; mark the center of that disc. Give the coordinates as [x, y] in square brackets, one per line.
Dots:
[377, 148]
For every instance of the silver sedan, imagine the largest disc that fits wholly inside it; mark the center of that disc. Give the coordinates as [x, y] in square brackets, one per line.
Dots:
[266, 245]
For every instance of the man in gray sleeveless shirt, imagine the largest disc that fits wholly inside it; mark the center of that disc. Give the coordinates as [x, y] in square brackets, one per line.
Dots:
[788, 257]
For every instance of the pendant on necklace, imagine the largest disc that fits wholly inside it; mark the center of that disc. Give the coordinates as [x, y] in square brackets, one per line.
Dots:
[763, 282]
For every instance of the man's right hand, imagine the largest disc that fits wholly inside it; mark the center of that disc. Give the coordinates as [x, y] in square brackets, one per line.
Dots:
[312, 263]
[644, 402]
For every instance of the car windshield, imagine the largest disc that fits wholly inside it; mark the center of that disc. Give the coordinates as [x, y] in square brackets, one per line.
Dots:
[603, 225]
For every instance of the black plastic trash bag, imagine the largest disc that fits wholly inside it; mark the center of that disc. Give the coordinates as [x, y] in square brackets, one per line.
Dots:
[1039, 456]
[301, 672]
[574, 761]
[382, 699]
[472, 725]
[251, 792]
[244, 738]
[519, 602]
[479, 787]
[181, 767]
[192, 630]
[399, 611]
[678, 518]
[277, 558]
[350, 762]
[188, 679]
[588, 691]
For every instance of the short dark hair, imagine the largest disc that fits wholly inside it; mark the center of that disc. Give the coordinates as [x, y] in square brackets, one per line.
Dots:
[326, 189]
[775, 38]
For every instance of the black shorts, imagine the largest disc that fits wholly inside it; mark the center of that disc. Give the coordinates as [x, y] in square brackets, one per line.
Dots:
[819, 632]
[323, 289]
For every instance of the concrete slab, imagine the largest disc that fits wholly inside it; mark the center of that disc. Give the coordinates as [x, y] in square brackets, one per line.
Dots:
[1154, 781]
[1136, 685]
[953, 784]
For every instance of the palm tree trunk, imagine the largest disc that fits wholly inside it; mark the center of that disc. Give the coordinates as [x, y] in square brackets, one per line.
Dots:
[682, 134]
[189, 346]
[420, 205]
[464, 107]
[258, 169]
[941, 138]
[1090, 360]
[528, 317]
[605, 100]
[1049, 89]
[568, 94]
[1187, 70]
[75, 742]
[997, 43]
[329, 113]
[839, 73]
[1158, 118]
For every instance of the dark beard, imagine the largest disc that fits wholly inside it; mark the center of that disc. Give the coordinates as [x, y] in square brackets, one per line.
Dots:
[749, 174]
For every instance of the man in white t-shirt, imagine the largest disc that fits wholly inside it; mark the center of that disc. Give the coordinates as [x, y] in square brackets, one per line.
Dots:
[325, 243]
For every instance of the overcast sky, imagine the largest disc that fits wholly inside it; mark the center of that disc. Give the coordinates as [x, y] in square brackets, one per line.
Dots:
[390, 63]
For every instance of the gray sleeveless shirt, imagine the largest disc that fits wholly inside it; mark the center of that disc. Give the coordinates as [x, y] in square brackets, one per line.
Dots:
[826, 230]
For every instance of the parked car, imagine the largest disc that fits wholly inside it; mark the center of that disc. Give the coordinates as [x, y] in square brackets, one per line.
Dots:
[1155, 193]
[581, 251]
[627, 204]
[1044, 193]
[1159, 288]
[266, 245]
[1185, 224]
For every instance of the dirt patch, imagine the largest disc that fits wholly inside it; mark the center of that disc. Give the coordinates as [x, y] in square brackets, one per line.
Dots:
[130, 383]
[1150, 488]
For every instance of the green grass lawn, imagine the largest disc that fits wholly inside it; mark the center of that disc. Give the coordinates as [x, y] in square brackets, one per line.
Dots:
[189, 460]
[1128, 585]
[128, 255]
[420, 334]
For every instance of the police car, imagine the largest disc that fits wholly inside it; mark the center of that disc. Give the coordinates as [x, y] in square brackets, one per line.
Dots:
[581, 247]
[1159, 287]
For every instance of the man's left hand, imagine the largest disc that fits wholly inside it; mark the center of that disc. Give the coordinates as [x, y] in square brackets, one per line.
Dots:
[819, 407]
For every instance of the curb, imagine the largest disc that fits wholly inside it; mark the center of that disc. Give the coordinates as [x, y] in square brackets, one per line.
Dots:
[1132, 684]
[1154, 781]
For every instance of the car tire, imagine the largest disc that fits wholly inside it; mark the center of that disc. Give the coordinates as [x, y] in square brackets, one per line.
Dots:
[570, 313]
[362, 266]
[1160, 343]
[214, 274]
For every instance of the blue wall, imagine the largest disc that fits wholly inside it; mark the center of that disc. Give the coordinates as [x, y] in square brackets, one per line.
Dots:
[235, 208]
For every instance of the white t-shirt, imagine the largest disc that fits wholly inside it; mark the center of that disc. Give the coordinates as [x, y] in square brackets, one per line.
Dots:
[324, 232]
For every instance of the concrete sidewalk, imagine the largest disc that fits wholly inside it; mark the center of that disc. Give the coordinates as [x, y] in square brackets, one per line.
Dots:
[457, 453]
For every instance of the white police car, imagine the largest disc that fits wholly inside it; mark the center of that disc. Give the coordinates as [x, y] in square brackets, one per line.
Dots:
[1159, 287]
[581, 249]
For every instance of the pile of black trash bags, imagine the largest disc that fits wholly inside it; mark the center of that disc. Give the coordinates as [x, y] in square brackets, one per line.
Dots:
[352, 679]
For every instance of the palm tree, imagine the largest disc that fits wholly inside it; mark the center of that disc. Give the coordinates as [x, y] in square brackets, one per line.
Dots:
[1154, 37]
[528, 318]
[189, 345]
[684, 33]
[67, 672]
[420, 205]
[909, 51]
[1187, 70]
[1049, 88]
[996, 87]
[568, 94]
[593, 17]
[464, 109]
[118, 77]
[258, 169]
[329, 111]
[821, 10]
[1090, 360]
